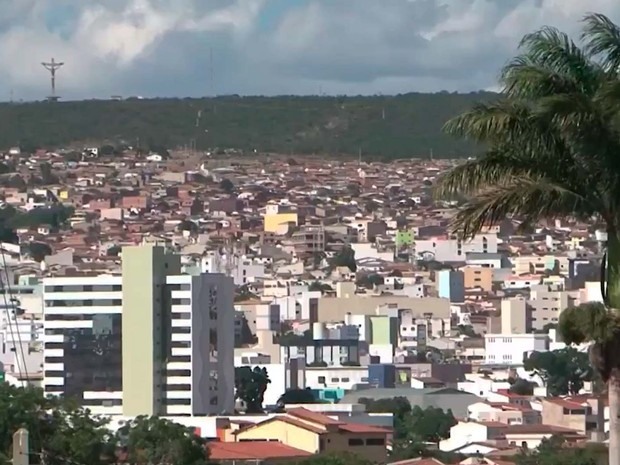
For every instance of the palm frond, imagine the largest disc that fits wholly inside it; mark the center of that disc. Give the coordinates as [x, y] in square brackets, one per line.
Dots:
[527, 198]
[555, 50]
[567, 111]
[602, 39]
[487, 122]
[524, 79]
[496, 167]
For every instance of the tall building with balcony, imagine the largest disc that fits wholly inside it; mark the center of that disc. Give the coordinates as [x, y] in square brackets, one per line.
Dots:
[144, 342]
[309, 240]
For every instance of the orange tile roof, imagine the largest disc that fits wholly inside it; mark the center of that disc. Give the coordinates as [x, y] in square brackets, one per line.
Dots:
[361, 428]
[567, 403]
[253, 450]
[418, 461]
[285, 419]
[313, 417]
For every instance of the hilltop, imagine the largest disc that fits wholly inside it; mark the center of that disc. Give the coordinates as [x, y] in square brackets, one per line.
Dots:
[380, 126]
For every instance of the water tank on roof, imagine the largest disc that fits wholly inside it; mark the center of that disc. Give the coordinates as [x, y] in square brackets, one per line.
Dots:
[319, 330]
[601, 236]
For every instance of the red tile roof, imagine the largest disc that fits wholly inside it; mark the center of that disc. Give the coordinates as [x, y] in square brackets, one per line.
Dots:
[313, 417]
[253, 450]
[285, 419]
[360, 428]
[567, 403]
[418, 461]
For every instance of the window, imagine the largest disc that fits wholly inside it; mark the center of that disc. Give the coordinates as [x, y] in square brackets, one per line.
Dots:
[322, 379]
[335, 380]
[356, 442]
[375, 442]
[345, 380]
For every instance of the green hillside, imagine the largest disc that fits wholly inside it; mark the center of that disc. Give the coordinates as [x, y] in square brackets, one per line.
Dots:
[382, 126]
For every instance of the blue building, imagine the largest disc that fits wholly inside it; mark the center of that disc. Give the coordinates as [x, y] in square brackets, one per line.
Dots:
[451, 285]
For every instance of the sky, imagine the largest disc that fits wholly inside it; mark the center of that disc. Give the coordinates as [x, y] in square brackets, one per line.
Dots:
[180, 48]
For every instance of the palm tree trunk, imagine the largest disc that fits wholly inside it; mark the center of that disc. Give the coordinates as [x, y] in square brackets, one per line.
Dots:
[614, 423]
[613, 383]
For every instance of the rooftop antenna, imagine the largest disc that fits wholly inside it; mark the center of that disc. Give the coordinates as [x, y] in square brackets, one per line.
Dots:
[211, 81]
[52, 67]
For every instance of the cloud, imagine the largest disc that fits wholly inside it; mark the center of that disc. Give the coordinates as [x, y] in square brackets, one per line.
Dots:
[194, 47]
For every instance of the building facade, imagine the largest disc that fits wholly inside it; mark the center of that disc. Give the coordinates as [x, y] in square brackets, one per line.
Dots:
[143, 343]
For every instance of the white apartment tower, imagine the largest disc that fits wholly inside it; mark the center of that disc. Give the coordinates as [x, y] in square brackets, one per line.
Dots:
[144, 342]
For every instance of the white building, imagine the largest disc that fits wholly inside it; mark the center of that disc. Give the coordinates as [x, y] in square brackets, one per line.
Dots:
[242, 269]
[444, 249]
[511, 349]
[86, 337]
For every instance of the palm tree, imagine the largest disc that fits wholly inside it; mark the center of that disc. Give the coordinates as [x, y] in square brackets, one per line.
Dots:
[552, 150]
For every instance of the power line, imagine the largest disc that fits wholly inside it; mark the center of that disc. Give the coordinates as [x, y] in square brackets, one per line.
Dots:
[7, 287]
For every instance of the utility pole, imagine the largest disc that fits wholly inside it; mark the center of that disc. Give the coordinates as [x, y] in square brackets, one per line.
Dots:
[52, 67]
[21, 447]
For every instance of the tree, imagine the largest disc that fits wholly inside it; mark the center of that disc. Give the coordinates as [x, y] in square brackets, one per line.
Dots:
[522, 387]
[250, 387]
[107, 150]
[563, 371]
[227, 186]
[369, 281]
[467, 330]
[413, 424]
[39, 250]
[551, 145]
[47, 177]
[333, 458]
[346, 257]
[400, 407]
[156, 440]
[298, 396]
[64, 433]
[319, 286]
[554, 451]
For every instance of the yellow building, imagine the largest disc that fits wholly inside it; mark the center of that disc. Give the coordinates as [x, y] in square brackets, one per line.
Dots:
[315, 433]
[274, 221]
[277, 217]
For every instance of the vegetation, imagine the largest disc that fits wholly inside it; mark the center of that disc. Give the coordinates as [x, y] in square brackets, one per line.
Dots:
[298, 396]
[39, 250]
[522, 387]
[341, 458]
[250, 387]
[381, 126]
[346, 258]
[554, 451]
[413, 427]
[60, 433]
[551, 146]
[467, 330]
[369, 281]
[317, 286]
[562, 371]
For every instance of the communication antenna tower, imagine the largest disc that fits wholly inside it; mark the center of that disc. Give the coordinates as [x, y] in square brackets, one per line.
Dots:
[53, 66]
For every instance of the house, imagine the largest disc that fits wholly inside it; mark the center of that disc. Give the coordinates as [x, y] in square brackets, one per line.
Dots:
[504, 412]
[445, 398]
[314, 433]
[264, 452]
[585, 415]
[466, 434]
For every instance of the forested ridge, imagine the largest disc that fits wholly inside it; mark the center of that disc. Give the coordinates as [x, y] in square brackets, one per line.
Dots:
[406, 125]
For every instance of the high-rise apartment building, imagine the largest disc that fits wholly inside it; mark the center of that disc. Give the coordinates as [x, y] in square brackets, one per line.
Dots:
[142, 343]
